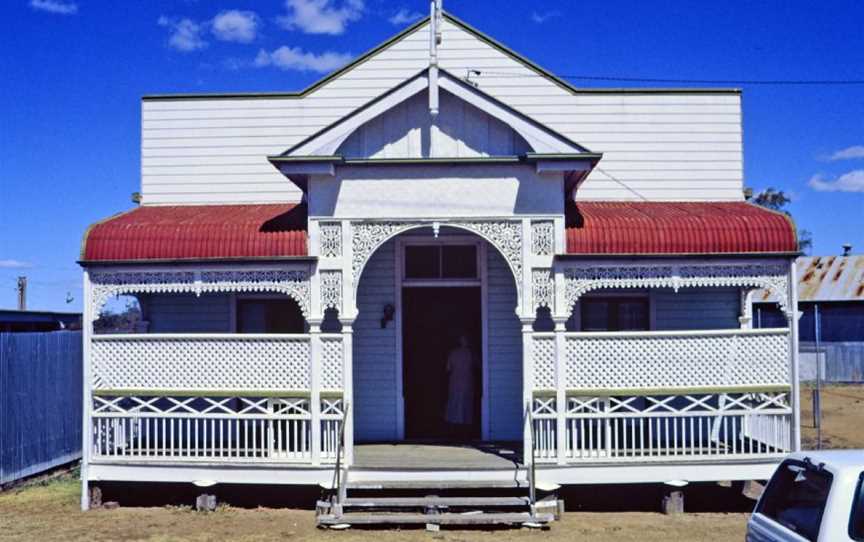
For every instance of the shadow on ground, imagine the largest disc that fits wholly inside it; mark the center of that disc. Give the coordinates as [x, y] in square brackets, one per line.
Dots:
[705, 497]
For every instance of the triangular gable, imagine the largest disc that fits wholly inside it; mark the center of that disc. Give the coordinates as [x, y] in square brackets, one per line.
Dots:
[541, 139]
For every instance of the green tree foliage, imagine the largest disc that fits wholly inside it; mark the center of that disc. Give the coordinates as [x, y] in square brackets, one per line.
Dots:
[777, 200]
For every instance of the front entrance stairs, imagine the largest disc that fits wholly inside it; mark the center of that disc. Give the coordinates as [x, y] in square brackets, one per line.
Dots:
[433, 504]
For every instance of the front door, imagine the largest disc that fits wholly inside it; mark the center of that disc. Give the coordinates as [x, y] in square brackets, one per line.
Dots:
[435, 319]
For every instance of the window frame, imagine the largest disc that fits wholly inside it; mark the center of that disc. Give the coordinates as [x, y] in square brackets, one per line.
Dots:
[807, 467]
[617, 298]
[857, 507]
[440, 242]
[237, 299]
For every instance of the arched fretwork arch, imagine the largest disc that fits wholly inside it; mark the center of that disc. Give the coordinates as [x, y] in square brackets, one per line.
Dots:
[505, 235]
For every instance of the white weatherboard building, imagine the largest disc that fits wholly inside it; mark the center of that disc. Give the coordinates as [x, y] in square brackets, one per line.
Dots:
[305, 262]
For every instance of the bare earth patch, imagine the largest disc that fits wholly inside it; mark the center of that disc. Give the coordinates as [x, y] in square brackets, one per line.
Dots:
[48, 511]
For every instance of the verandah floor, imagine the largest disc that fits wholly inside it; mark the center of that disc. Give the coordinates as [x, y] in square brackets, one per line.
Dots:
[431, 456]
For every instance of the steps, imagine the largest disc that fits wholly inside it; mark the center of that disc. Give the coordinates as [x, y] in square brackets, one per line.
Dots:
[433, 504]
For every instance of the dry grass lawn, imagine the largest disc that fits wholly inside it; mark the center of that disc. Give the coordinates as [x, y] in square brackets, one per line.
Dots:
[48, 511]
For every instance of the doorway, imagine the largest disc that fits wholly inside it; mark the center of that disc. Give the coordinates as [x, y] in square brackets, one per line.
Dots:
[433, 320]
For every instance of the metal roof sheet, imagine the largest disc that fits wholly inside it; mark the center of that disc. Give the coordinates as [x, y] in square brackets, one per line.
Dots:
[199, 232]
[606, 228]
[826, 278]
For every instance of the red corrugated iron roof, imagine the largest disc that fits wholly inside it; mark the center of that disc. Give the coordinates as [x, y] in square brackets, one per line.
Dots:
[677, 228]
[198, 232]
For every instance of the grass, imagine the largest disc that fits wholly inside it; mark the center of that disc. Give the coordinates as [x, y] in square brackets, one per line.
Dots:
[48, 510]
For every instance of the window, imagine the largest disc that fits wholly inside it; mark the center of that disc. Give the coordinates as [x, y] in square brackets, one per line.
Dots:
[796, 497]
[856, 521]
[269, 316]
[614, 314]
[440, 262]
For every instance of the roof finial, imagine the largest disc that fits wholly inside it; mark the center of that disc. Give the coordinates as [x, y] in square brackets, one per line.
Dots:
[435, 20]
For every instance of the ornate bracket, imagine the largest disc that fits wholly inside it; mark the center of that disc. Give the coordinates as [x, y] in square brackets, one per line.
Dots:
[331, 290]
[294, 283]
[542, 288]
[773, 277]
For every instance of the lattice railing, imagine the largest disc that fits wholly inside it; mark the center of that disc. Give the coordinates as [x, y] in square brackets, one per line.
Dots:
[226, 397]
[664, 360]
[661, 428]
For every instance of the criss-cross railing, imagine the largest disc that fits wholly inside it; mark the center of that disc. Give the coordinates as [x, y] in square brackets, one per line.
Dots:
[222, 398]
[659, 396]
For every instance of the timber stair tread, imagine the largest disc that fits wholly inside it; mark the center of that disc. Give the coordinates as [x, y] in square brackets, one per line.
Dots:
[440, 484]
[434, 501]
[447, 518]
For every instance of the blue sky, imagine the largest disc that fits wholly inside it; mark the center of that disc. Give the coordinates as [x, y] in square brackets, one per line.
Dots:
[74, 72]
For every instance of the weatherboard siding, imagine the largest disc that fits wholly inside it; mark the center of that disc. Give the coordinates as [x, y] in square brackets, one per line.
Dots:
[374, 360]
[505, 351]
[663, 146]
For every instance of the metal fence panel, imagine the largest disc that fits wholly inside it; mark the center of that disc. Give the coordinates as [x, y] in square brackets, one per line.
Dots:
[40, 401]
[841, 362]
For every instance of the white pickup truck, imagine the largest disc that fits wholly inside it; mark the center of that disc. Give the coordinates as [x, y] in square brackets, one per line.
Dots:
[815, 496]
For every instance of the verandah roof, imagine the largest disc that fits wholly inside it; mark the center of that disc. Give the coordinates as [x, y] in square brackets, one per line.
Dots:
[640, 228]
[228, 232]
[199, 232]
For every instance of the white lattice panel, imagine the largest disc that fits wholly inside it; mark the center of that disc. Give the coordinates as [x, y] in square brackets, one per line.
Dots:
[201, 363]
[331, 364]
[688, 360]
[544, 362]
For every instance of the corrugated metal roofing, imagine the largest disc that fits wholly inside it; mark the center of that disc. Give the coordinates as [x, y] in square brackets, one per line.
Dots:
[603, 227]
[197, 232]
[826, 278]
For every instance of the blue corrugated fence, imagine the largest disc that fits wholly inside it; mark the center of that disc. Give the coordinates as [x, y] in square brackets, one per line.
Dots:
[40, 401]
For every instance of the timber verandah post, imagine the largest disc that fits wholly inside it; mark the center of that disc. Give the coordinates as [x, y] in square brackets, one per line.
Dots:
[792, 315]
[315, 388]
[86, 426]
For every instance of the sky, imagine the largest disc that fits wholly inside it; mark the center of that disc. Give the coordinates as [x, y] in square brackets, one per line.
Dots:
[72, 73]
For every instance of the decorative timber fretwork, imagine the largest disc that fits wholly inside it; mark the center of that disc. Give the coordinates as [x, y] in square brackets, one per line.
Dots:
[542, 288]
[330, 234]
[293, 283]
[542, 238]
[331, 290]
[505, 235]
[773, 277]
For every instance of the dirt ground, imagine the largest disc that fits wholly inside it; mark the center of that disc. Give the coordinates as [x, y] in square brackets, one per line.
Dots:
[48, 510]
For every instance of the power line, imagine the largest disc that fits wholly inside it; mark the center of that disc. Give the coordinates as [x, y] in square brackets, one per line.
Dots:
[776, 82]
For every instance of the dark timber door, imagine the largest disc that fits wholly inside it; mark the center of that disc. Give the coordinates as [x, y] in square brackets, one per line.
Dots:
[433, 319]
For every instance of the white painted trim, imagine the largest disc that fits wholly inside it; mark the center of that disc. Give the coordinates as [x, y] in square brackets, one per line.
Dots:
[541, 138]
[683, 333]
[287, 474]
[326, 143]
[86, 394]
[400, 282]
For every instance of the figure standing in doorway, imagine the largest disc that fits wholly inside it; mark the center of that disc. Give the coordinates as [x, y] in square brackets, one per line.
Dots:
[460, 400]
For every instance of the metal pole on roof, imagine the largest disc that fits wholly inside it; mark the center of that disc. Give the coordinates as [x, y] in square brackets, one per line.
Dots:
[817, 391]
[22, 293]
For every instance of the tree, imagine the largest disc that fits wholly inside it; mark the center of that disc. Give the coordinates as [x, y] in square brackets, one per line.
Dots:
[126, 321]
[776, 200]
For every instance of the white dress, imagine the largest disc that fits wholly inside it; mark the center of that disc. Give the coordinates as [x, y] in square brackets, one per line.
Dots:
[460, 400]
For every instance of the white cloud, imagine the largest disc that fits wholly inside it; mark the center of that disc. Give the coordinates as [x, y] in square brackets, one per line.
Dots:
[55, 6]
[185, 33]
[235, 25]
[541, 18]
[849, 153]
[14, 264]
[848, 182]
[294, 58]
[404, 16]
[320, 16]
